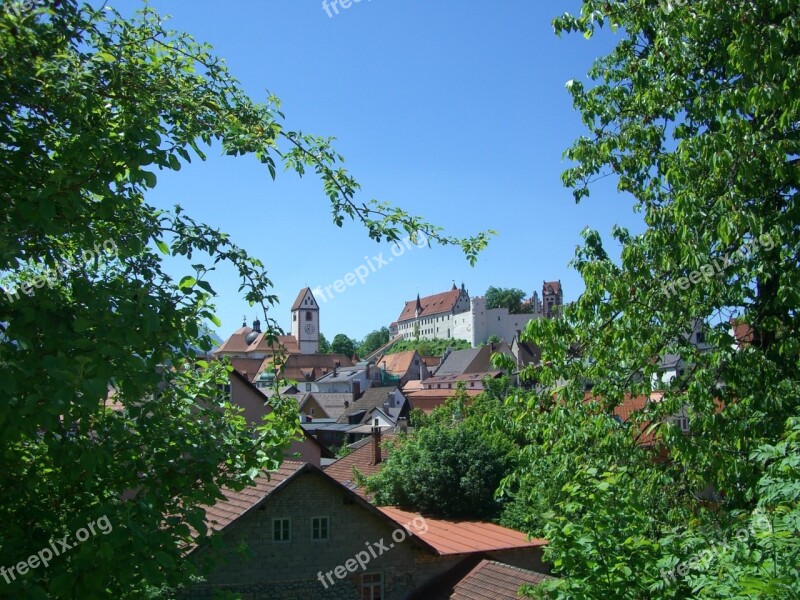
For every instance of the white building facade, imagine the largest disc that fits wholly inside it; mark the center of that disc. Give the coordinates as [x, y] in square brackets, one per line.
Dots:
[454, 315]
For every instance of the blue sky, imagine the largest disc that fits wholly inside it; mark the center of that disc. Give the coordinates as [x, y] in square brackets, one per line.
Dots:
[456, 111]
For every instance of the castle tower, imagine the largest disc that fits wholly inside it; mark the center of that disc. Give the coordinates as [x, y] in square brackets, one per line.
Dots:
[552, 298]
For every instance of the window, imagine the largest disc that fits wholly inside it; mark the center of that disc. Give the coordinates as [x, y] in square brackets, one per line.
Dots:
[701, 337]
[312, 408]
[372, 586]
[320, 528]
[683, 424]
[308, 315]
[281, 530]
[294, 317]
[308, 389]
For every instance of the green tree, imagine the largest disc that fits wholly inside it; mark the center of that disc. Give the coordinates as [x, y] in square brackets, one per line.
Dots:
[695, 112]
[92, 107]
[342, 344]
[324, 344]
[450, 466]
[373, 340]
[510, 298]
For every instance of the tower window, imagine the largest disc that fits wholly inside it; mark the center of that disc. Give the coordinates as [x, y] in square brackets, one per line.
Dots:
[308, 315]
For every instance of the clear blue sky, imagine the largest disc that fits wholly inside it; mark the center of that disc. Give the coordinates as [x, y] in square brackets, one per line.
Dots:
[450, 109]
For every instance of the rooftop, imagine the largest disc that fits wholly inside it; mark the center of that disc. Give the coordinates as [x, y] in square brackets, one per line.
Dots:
[464, 537]
[492, 580]
[430, 305]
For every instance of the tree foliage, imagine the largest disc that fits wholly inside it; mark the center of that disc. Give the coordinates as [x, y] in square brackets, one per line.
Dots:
[373, 340]
[695, 112]
[450, 465]
[510, 298]
[92, 108]
[324, 344]
[342, 344]
[429, 347]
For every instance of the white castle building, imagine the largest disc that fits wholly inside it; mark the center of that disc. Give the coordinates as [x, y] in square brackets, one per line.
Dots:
[454, 315]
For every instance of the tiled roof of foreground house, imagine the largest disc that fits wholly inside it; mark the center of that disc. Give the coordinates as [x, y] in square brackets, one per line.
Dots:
[465, 537]
[492, 580]
[225, 512]
[441, 537]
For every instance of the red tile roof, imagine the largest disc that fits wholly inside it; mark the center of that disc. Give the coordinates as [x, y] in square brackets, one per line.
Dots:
[492, 580]
[236, 504]
[299, 301]
[464, 537]
[362, 458]
[237, 343]
[555, 287]
[398, 363]
[249, 367]
[430, 305]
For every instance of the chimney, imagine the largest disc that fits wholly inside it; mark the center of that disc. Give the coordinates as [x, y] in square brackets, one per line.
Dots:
[376, 443]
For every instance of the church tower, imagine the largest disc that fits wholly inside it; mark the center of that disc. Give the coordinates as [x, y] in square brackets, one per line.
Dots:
[305, 322]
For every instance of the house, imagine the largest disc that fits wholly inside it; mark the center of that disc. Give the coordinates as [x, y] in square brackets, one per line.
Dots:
[340, 380]
[471, 360]
[492, 580]
[390, 399]
[403, 366]
[329, 433]
[255, 406]
[525, 353]
[320, 405]
[366, 458]
[298, 533]
[671, 365]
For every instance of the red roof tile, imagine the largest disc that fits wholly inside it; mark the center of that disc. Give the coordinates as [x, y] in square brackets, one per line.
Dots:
[299, 301]
[225, 512]
[398, 363]
[430, 305]
[555, 287]
[464, 537]
[492, 580]
[362, 458]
